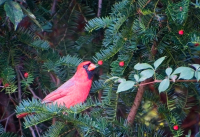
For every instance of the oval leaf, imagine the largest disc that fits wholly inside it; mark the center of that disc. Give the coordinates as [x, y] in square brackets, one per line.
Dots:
[145, 74]
[140, 66]
[126, 85]
[163, 85]
[14, 12]
[168, 71]
[136, 77]
[187, 74]
[158, 62]
[182, 69]
[142, 79]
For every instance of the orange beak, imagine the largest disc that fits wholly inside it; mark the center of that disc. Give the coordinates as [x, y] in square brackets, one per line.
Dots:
[91, 67]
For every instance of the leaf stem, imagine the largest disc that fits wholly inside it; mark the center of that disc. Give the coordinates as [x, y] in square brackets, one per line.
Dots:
[158, 81]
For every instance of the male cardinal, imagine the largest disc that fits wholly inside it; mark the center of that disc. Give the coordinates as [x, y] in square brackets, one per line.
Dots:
[75, 90]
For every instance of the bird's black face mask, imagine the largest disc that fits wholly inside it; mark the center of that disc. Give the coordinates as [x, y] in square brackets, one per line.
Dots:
[89, 73]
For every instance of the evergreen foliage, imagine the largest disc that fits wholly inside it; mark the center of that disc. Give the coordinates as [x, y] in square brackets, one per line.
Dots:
[49, 42]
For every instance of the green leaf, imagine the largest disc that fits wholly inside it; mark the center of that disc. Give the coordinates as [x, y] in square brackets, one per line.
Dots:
[186, 72]
[32, 17]
[197, 135]
[120, 80]
[140, 66]
[158, 62]
[197, 75]
[125, 85]
[146, 74]
[196, 66]
[14, 12]
[168, 71]
[189, 134]
[164, 85]
[2, 1]
[180, 69]
[136, 77]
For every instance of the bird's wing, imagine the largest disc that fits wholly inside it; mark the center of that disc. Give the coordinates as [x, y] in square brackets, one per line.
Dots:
[60, 92]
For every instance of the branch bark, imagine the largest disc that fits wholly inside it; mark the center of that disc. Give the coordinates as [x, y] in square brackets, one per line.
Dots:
[99, 8]
[32, 132]
[53, 8]
[137, 101]
[138, 98]
[158, 81]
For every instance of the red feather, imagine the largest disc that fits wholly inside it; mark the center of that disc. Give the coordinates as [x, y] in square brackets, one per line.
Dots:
[72, 92]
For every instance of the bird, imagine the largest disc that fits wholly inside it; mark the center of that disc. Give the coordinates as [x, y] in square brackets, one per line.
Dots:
[74, 91]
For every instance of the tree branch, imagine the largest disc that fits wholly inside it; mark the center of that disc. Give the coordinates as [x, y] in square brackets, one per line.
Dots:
[19, 84]
[32, 132]
[53, 8]
[138, 98]
[99, 8]
[137, 101]
[7, 117]
[36, 128]
[158, 81]
[20, 127]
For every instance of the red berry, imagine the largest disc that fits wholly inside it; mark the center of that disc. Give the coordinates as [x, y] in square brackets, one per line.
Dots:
[26, 75]
[181, 8]
[6, 85]
[196, 44]
[121, 64]
[181, 32]
[100, 62]
[175, 127]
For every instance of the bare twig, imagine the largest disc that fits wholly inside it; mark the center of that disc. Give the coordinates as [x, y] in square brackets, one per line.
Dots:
[19, 95]
[85, 19]
[7, 117]
[19, 84]
[99, 8]
[36, 128]
[138, 98]
[158, 81]
[69, 17]
[5, 111]
[136, 104]
[53, 8]
[20, 126]
[32, 132]
[12, 100]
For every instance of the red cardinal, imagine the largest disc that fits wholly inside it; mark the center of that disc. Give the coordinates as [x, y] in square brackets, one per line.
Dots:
[75, 90]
